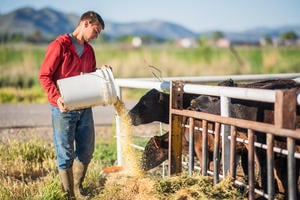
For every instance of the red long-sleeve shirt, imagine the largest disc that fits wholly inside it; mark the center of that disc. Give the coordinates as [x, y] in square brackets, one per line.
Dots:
[61, 61]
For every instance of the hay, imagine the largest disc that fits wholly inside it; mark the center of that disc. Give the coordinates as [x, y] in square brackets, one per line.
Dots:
[196, 187]
[117, 187]
[120, 187]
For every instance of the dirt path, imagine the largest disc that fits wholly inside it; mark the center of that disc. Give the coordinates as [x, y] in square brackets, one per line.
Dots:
[27, 121]
[38, 115]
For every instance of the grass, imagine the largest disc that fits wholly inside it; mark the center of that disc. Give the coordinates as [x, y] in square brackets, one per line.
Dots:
[19, 64]
[28, 165]
[28, 171]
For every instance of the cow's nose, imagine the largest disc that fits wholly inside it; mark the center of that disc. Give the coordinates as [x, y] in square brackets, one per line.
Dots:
[132, 118]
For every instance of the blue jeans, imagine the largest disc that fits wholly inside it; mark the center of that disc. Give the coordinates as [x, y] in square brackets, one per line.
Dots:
[69, 129]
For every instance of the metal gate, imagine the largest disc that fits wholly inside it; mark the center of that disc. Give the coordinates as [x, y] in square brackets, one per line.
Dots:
[285, 116]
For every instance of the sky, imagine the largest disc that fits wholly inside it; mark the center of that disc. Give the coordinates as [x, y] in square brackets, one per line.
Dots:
[196, 15]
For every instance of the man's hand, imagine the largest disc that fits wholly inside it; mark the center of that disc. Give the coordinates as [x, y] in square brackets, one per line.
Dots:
[107, 66]
[61, 105]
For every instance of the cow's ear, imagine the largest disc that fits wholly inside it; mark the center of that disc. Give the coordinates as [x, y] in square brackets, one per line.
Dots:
[156, 142]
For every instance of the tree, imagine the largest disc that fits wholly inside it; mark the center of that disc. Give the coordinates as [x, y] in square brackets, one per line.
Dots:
[268, 40]
[217, 35]
[35, 37]
[289, 35]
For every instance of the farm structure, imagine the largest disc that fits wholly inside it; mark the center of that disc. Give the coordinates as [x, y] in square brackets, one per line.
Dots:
[226, 126]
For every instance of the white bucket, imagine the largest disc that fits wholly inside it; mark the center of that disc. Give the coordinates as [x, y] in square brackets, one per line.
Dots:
[87, 90]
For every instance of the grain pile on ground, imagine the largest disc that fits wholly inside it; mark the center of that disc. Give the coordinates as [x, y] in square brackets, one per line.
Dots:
[120, 187]
[117, 186]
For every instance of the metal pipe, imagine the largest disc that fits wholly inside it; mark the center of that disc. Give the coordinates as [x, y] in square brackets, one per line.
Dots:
[119, 142]
[204, 147]
[213, 79]
[225, 132]
[232, 92]
[191, 146]
[118, 131]
[291, 169]
[270, 166]
[216, 153]
[264, 146]
[251, 164]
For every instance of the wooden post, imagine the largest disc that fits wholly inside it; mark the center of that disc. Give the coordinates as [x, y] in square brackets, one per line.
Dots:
[232, 168]
[285, 117]
[175, 136]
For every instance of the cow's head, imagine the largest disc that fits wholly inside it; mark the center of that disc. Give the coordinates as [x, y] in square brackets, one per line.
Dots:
[153, 106]
[156, 152]
[206, 104]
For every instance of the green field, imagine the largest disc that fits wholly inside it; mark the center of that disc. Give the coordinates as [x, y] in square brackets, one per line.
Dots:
[19, 64]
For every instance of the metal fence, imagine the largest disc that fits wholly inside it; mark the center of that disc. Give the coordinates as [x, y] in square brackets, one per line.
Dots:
[224, 121]
[285, 119]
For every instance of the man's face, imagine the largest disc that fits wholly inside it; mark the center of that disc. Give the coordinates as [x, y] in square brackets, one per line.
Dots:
[92, 31]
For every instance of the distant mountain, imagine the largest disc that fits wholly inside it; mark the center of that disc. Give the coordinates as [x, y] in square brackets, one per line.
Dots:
[28, 20]
[255, 34]
[51, 22]
[155, 28]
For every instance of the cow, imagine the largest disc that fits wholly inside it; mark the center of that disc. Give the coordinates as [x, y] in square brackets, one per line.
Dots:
[156, 150]
[160, 102]
[263, 112]
[154, 106]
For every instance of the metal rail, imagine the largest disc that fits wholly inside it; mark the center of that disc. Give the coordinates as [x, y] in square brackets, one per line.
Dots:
[285, 106]
[223, 92]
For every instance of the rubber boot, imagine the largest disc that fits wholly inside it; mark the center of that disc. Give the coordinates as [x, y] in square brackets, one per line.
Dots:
[66, 178]
[79, 170]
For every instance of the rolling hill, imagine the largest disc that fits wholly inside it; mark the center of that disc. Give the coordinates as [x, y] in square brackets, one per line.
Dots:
[50, 22]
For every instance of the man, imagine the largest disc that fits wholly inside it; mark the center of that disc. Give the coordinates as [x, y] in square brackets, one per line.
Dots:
[70, 55]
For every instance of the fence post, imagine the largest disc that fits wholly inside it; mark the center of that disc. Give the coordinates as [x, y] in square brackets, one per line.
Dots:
[191, 145]
[285, 117]
[251, 174]
[225, 132]
[118, 132]
[216, 155]
[175, 136]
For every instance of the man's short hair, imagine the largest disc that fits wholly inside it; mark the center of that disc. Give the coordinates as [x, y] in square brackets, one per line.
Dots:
[93, 17]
